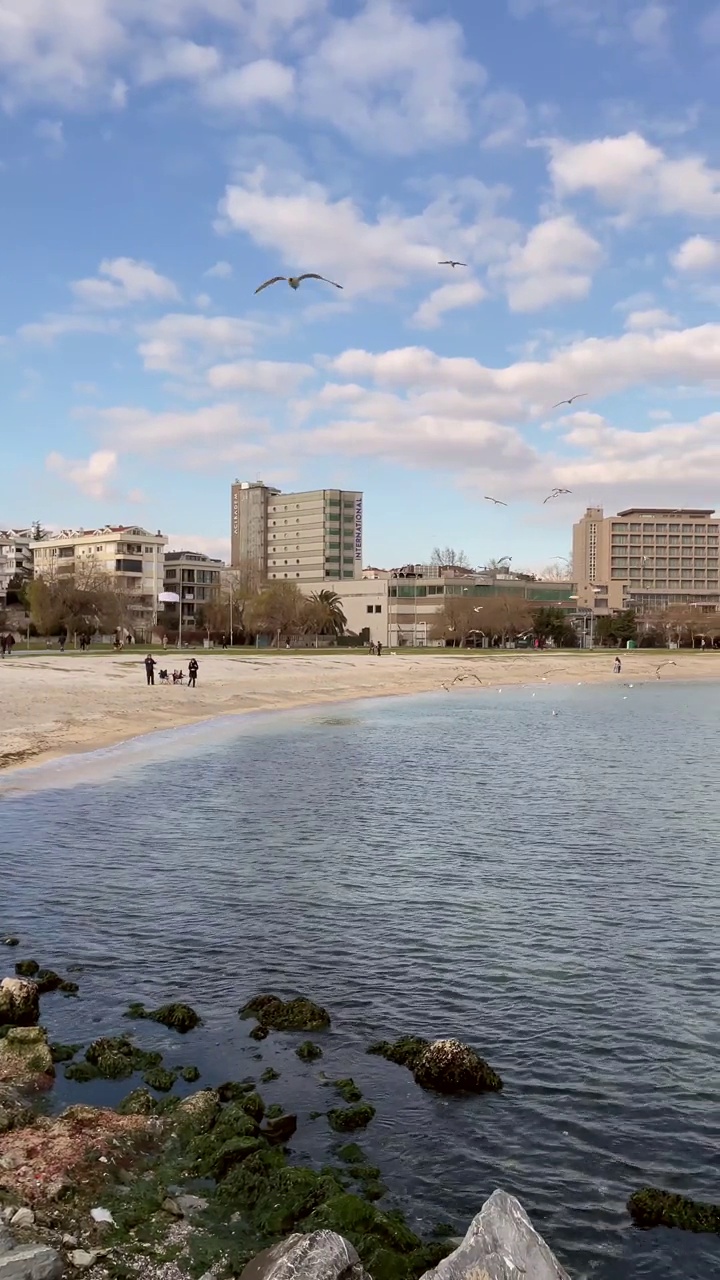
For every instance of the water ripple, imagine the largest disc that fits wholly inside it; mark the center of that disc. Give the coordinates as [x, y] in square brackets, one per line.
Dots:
[545, 887]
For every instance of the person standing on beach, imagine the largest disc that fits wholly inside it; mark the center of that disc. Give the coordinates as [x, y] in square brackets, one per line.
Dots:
[9, 643]
[3, 644]
[378, 648]
[617, 666]
[150, 669]
[192, 673]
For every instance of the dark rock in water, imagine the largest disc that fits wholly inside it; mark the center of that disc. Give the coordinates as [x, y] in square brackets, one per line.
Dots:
[160, 1079]
[19, 1003]
[178, 1016]
[138, 1103]
[346, 1119]
[405, 1052]
[652, 1207]
[254, 1106]
[501, 1244]
[27, 968]
[299, 1014]
[68, 988]
[48, 980]
[351, 1153]
[279, 1129]
[348, 1090]
[259, 1032]
[116, 1057]
[11, 942]
[232, 1090]
[309, 1052]
[190, 1074]
[64, 1052]
[448, 1066]
[272, 1112]
[269, 1075]
[322, 1256]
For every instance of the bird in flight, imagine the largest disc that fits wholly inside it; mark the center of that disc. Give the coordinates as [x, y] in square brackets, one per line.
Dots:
[498, 501]
[556, 493]
[669, 663]
[448, 262]
[579, 396]
[295, 281]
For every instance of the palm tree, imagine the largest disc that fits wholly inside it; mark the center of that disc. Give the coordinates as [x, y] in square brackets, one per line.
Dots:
[325, 614]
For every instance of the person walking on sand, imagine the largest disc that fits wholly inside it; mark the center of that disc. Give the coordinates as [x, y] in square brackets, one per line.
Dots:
[150, 669]
[192, 673]
[617, 666]
[378, 648]
[3, 644]
[9, 643]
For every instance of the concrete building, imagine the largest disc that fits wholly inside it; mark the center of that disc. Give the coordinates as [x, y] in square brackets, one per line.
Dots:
[313, 536]
[132, 559]
[195, 577]
[646, 558]
[16, 558]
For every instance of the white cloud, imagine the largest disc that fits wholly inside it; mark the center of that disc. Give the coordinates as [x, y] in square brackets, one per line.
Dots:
[390, 82]
[220, 271]
[629, 174]
[143, 431]
[178, 343]
[308, 230]
[91, 476]
[554, 264]
[264, 81]
[506, 117]
[655, 318]
[709, 30]
[203, 301]
[272, 377]
[51, 131]
[177, 59]
[649, 26]
[699, 253]
[449, 297]
[60, 325]
[124, 281]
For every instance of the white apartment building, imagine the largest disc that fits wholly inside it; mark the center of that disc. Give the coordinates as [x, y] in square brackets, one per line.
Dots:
[130, 556]
[16, 558]
[312, 536]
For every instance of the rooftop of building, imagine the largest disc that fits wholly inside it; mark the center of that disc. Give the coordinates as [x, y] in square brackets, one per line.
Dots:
[200, 556]
[695, 513]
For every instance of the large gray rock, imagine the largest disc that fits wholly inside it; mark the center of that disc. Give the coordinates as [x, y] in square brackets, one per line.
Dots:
[501, 1244]
[322, 1255]
[32, 1262]
[19, 1003]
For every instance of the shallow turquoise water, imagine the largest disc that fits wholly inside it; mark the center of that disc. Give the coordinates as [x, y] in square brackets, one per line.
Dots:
[546, 887]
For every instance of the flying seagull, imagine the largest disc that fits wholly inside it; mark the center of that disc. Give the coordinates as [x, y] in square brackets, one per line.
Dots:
[498, 502]
[295, 281]
[579, 396]
[670, 663]
[448, 262]
[556, 493]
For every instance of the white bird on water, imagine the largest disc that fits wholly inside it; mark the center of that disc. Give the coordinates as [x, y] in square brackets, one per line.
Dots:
[295, 281]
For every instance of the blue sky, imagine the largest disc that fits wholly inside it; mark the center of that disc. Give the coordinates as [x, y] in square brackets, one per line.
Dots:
[159, 160]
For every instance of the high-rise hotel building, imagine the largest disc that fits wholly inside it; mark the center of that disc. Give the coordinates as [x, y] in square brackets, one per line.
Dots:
[298, 537]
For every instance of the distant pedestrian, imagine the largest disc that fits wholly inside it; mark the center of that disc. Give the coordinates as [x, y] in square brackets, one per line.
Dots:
[3, 645]
[378, 648]
[192, 673]
[164, 642]
[617, 666]
[9, 643]
[372, 647]
[62, 639]
[150, 669]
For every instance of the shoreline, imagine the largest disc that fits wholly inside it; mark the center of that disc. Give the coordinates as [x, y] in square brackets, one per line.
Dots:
[83, 706]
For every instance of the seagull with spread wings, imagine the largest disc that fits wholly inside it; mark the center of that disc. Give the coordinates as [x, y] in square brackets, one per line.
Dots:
[449, 262]
[498, 501]
[556, 493]
[295, 281]
[579, 396]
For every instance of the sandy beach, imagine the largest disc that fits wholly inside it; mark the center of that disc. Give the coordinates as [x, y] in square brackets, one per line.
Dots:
[55, 704]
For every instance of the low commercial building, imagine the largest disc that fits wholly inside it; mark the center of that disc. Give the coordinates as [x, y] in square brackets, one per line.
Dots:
[130, 558]
[194, 577]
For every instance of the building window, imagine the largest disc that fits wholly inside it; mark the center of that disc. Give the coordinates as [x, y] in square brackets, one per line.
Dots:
[369, 608]
[378, 608]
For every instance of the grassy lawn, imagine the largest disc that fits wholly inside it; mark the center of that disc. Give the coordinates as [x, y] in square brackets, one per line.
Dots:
[39, 648]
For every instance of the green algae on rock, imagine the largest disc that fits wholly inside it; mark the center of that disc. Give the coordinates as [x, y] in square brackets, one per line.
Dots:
[232, 1090]
[116, 1057]
[269, 1075]
[445, 1066]
[160, 1079]
[351, 1153]
[64, 1052]
[138, 1103]
[348, 1090]
[309, 1052]
[298, 1014]
[190, 1074]
[346, 1119]
[178, 1016]
[27, 968]
[81, 1072]
[653, 1207]
[25, 1056]
[279, 1128]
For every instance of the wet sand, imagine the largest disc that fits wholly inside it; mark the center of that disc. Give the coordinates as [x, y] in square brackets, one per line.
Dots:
[55, 704]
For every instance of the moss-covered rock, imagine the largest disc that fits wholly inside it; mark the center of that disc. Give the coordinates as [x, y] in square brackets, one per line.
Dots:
[299, 1014]
[138, 1103]
[196, 1115]
[81, 1072]
[348, 1090]
[309, 1052]
[48, 980]
[117, 1058]
[25, 1056]
[351, 1153]
[232, 1153]
[64, 1052]
[177, 1016]
[290, 1197]
[268, 1075]
[27, 968]
[190, 1074]
[448, 1066]
[347, 1119]
[653, 1207]
[405, 1052]
[233, 1090]
[19, 1003]
[68, 988]
[160, 1079]
[279, 1128]
[272, 1112]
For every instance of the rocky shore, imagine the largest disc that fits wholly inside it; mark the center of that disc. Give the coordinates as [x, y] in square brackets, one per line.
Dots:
[164, 1187]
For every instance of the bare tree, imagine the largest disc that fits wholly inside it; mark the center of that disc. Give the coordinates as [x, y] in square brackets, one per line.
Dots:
[505, 617]
[449, 558]
[278, 611]
[558, 571]
[455, 620]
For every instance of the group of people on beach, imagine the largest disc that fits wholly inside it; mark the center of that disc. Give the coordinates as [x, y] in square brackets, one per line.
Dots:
[178, 676]
[6, 644]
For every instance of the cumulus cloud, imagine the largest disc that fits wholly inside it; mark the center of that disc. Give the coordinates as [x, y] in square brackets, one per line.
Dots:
[654, 318]
[144, 431]
[271, 377]
[555, 264]
[263, 81]
[220, 271]
[92, 476]
[634, 177]
[178, 343]
[309, 230]
[122, 281]
[61, 325]
[449, 297]
[699, 253]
